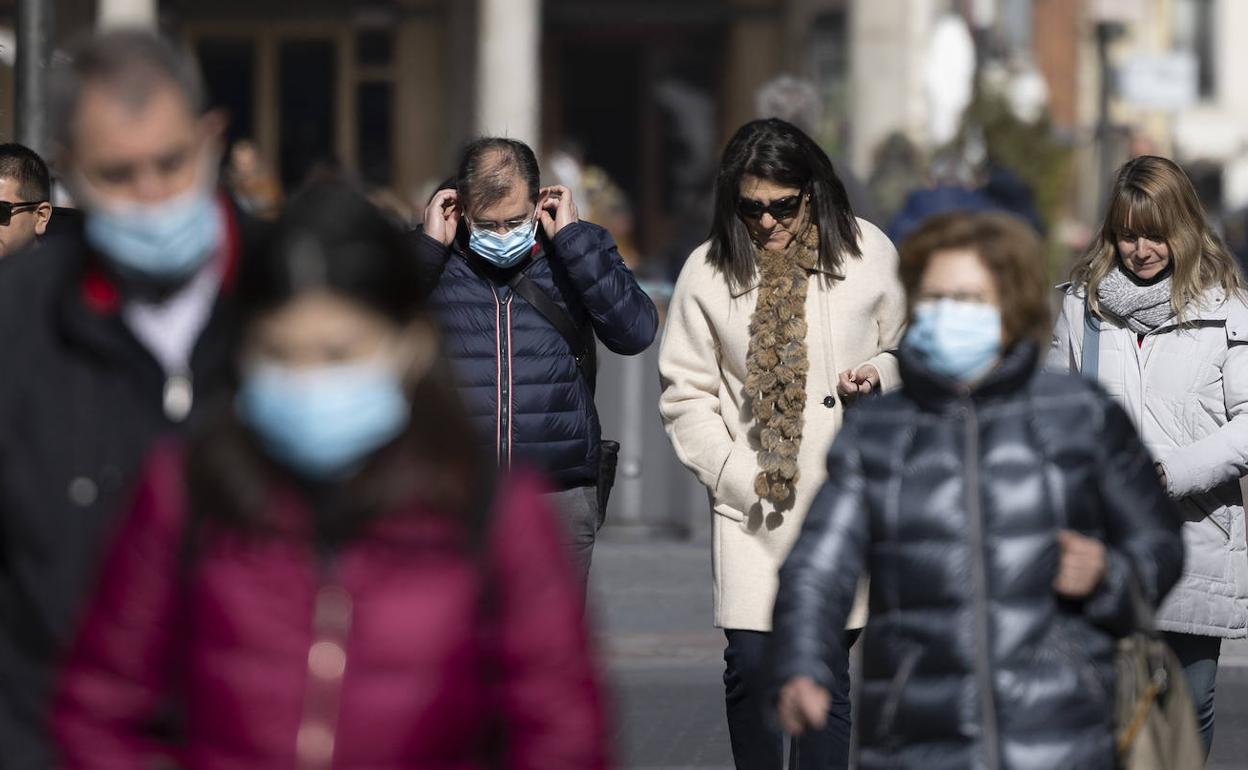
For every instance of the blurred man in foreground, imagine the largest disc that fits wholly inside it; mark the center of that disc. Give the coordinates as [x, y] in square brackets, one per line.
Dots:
[122, 335]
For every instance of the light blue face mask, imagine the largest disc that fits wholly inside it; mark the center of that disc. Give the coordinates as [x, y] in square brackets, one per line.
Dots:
[324, 422]
[166, 241]
[506, 250]
[960, 340]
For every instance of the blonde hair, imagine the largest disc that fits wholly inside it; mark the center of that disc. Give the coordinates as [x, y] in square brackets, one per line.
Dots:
[1153, 197]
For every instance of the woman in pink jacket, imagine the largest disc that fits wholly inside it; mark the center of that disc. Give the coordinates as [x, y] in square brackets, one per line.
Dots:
[327, 577]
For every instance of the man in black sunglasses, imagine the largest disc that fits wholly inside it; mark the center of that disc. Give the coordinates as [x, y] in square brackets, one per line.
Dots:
[25, 206]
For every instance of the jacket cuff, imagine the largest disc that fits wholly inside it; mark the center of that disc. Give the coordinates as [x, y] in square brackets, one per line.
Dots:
[1180, 475]
[1109, 606]
[427, 244]
[890, 374]
[569, 231]
[792, 668]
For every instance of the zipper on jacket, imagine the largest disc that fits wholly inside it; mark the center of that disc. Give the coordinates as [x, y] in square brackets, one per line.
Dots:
[892, 703]
[983, 666]
[504, 381]
[1225, 532]
[332, 616]
[178, 395]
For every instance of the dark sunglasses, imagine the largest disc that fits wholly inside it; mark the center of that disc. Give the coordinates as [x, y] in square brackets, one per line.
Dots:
[783, 208]
[8, 209]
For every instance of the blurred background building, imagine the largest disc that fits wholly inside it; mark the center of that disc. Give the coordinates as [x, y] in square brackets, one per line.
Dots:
[646, 91]
[1033, 102]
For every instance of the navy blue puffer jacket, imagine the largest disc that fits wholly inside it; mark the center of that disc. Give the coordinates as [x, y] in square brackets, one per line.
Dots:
[518, 377]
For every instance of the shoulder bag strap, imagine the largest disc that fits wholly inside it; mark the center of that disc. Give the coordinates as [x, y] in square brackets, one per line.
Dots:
[580, 343]
[1090, 361]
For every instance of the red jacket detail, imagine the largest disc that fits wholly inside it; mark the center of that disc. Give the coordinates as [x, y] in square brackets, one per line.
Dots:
[405, 678]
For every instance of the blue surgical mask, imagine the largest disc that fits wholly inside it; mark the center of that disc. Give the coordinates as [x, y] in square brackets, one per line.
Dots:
[960, 340]
[506, 250]
[165, 241]
[324, 422]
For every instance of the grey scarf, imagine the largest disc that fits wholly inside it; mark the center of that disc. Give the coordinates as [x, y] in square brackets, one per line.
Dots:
[1141, 308]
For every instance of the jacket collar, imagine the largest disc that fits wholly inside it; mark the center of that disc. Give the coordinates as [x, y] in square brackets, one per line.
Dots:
[936, 391]
[91, 302]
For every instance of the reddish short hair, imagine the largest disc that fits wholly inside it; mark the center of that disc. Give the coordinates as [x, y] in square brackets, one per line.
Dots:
[1010, 250]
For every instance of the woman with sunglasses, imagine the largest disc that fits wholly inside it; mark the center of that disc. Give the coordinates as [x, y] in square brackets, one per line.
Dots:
[782, 320]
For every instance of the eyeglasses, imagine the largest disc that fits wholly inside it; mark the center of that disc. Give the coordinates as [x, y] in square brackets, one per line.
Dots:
[782, 208]
[7, 209]
[501, 228]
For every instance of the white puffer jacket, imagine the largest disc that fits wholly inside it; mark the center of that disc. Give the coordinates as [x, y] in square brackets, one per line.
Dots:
[1186, 388]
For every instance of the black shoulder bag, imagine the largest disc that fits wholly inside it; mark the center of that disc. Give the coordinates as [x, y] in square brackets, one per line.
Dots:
[585, 350]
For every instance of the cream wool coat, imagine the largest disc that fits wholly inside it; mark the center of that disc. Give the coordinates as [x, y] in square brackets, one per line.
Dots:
[852, 320]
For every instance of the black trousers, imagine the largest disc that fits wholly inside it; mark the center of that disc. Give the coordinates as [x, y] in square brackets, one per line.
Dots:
[757, 740]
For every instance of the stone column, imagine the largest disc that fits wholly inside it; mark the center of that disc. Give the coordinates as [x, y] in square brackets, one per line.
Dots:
[890, 40]
[508, 98]
[35, 28]
[127, 13]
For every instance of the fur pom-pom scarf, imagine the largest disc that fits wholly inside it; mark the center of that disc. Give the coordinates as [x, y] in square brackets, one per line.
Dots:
[776, 363]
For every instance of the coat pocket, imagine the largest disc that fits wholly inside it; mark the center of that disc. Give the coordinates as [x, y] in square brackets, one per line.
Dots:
[1207, 510]
[896, 689]
[734, 491]
[1206, 540]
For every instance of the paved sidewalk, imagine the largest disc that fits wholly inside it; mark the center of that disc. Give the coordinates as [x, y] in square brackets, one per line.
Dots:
[652, 604]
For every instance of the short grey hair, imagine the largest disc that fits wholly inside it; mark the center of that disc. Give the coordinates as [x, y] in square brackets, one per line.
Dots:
[791, 99]
[133, 64]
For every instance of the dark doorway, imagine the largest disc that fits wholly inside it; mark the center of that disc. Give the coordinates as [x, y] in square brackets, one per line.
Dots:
[601, 90]
[307, 74]
[642, 101]
[375, 128]
[229, 68]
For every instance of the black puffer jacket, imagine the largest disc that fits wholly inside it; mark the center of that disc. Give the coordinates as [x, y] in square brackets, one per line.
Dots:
[518, 378]
[82, 401]
[951, 501]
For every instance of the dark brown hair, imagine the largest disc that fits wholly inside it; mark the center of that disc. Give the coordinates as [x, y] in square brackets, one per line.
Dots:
[488, 168]
[1008, 248]
[24, 166]
[779, 152]
[332, 239]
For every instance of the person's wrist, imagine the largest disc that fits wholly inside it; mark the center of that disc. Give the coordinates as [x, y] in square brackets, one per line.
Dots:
[872, 373]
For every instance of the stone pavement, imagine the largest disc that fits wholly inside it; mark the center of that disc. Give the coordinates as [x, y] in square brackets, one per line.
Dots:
[652, 605]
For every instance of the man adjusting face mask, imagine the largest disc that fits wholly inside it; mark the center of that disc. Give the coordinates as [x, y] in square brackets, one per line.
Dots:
[503, 249]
